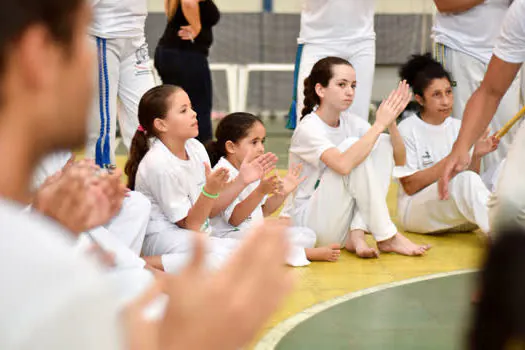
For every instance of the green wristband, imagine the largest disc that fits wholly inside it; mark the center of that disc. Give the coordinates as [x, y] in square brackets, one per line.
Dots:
[209, 195]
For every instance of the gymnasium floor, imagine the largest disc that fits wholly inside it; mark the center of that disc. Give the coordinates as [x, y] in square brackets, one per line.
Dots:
[393, 302]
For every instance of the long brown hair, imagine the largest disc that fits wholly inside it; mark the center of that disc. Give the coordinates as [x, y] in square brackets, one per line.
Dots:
[321, 74]
[153, 105]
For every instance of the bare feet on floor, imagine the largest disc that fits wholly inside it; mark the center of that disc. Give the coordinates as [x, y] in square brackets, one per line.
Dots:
[402, 245]
[356, 243]
[330, 253]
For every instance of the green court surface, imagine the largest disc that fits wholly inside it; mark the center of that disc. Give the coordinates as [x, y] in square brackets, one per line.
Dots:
[427, 314]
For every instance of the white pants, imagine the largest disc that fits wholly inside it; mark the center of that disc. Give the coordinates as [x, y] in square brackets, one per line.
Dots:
[130, 224]
[299, 238]
[468, 72]
[361, 55]
[354, 201]
[176, 248]
[507, 205]
[425, 212]
[124, 73]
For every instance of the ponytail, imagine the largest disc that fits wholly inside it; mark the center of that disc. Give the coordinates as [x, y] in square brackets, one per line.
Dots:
[310, 98]
[321, 74]
[139, 148]
[215, 152]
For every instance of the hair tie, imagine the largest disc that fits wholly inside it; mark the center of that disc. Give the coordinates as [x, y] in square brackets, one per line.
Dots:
[141, 129]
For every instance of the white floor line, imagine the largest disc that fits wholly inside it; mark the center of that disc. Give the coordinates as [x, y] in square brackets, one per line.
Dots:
[273, 337]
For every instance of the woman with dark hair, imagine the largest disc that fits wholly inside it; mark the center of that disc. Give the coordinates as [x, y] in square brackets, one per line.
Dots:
[428, 138]
[181, 57]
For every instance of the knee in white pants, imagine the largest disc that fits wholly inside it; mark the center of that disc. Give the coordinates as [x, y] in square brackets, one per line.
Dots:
[465, 179]
[137, 204]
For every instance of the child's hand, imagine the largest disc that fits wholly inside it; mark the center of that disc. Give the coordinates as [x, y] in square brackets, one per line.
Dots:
[255, 169]
[271, 185]
[216, 179]
[293, 179]
[486, 144]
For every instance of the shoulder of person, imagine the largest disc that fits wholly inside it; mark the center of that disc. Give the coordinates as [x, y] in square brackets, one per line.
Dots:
[408, 123]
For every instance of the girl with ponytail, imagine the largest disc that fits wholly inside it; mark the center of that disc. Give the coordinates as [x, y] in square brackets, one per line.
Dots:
[429, 137]
[172, 169]
[241, 137]
[347, 164]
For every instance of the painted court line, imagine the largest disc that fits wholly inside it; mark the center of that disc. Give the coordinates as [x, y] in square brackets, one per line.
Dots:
[273, 337]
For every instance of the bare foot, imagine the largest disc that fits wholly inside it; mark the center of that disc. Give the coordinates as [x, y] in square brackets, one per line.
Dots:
[356, 243]
[402, 245]
[330, 253]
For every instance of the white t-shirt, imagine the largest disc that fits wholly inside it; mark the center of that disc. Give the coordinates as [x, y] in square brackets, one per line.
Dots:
[310, 140]
[337, 21]
[510, 45]
[51, 297]
[220, 223]
[473, 32]
[171, 184]
[426, 145]
[50, 165]
[118, 18]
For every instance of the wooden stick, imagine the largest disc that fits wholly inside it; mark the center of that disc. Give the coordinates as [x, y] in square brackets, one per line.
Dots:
[510, 124]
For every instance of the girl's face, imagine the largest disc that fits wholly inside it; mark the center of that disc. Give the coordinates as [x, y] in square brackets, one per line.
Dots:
[438, 98]
[181, 119]
[252, 144]
[340, 92]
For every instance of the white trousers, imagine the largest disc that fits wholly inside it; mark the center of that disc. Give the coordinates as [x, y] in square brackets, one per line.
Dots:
[355, 201]
[299, 238]
[361, 55]
[123, 74]
[425, 212]
[176, 248]
[130, 224]
[507, 205]
[468, 72]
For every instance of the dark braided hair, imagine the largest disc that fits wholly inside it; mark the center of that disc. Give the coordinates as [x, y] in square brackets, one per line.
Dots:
[321, 74]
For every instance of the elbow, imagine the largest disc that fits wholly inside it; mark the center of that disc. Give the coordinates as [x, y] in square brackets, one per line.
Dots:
[189, 3]
[408, 186]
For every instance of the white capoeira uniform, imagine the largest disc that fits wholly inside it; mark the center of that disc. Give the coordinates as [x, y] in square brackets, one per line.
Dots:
[424, 211]
[173, 186]
[464, 45]
[332, 204]
[124, 234]
[300, 237]
[52, 298]
[339, 28]
[507, 207]
[124, 73]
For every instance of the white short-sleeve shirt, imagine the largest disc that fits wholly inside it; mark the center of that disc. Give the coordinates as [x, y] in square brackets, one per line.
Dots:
[472, 32]
[310, 140]
[118, 18]
[337, 21]
[220, 223]
[52, 297]
[172, 185]
[510, 45]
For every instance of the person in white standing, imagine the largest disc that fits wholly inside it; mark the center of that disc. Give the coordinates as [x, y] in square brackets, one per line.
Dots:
[465, 32]
[508, 205]
[347, 164]
[124, 74]
[341, 28]
[240, 137]
[429, 137]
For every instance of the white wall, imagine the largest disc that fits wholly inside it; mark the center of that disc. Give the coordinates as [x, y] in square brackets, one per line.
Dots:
[294, 6]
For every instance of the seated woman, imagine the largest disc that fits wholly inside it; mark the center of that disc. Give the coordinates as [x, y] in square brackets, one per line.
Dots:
[429, 137]
[347, 164]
